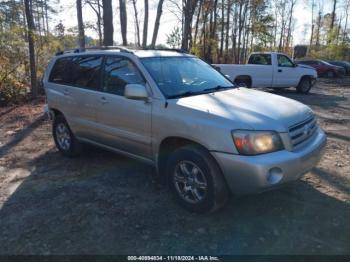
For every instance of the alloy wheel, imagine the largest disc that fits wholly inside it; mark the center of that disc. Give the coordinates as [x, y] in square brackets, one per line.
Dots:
[190, 182]
[63, 136]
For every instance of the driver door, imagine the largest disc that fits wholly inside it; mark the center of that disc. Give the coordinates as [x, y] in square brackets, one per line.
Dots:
[123, 123]
[286, 74]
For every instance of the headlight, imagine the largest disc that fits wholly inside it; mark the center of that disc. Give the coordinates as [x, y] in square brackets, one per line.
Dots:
[256, 142]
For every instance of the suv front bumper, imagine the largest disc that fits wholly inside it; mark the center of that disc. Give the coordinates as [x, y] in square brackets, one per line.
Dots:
[252, 174]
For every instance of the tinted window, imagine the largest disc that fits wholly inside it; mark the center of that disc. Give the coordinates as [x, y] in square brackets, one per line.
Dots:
[260, 59]
[58, 73]
[84, 71]
[284, 61]
[119, 72]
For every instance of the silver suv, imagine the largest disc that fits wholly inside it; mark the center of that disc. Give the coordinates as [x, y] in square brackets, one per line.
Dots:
[206, 137]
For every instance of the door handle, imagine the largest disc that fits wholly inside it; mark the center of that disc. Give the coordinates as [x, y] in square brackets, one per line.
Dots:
[279, 70]
[103, 100]
[66, 92]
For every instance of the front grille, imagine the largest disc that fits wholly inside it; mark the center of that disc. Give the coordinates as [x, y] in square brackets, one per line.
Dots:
[301, 132]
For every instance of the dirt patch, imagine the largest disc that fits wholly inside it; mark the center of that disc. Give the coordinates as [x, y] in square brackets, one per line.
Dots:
[103, 203]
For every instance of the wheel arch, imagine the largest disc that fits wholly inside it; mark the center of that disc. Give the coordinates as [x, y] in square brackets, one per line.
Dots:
[304, 77]
[166, 147]
[247, 78]
[53, 112]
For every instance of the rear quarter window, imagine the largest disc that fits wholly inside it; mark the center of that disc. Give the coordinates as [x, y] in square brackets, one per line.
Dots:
[59, 73]
[79, 71]
[260, 59]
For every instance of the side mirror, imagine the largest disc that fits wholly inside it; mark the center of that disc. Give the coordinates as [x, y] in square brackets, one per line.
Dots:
[136, 92]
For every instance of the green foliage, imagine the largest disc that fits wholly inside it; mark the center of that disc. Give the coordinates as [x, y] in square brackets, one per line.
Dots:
[333, 51]
[14, 65]
[174, 38]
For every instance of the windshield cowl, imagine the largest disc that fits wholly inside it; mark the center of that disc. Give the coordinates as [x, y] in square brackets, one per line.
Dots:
[205, 91]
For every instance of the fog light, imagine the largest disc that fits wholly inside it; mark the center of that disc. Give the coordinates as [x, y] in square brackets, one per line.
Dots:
[274, 175]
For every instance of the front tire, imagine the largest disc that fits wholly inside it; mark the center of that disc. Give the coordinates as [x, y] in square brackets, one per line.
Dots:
[65, 140]
[304, 86]
[196, 180]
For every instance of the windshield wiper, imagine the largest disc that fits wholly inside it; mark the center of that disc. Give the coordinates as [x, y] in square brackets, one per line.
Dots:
[187, 93]
[205, 91]
[216, 88]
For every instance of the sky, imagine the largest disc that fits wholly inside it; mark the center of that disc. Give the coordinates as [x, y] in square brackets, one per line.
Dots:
[169, 20]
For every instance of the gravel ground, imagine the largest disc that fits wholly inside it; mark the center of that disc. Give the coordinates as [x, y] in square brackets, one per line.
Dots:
[103, 203]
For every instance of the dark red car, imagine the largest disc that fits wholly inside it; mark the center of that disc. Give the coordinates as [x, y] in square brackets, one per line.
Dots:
[324, 68]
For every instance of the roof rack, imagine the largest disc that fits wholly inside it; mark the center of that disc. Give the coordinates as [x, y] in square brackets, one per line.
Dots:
[167, 49]
[120, 48]
[79, 50]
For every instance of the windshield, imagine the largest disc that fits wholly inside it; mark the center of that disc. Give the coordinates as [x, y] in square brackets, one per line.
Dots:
[184, 76]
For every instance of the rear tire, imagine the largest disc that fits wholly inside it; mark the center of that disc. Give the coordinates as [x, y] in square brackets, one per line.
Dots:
[65, 140]
[243, 83]
[304, 86]
[195, 180]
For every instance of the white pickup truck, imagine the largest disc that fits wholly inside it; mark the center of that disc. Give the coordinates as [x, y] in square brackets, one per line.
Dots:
[271, 70]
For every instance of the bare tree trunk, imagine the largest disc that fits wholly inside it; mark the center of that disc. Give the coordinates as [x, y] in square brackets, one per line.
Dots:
[156, 23]
[312, 25]
[227, 29]
[213, 32]
[333, 14]
[188, 11]
[234, 36]
[289, 33]
[318, 29]
[123, 21]
[107, 22]
[38, 22]
[197, 21]
[241, 22]
[145, 26]
[204, 37]
[346, 20]
[47, 18]
[222, 29]
[97, 10]
[31, 29]
[207, 56]
[80, 25]
[282, 10]
[43, 17]
[99, 23]
[137, 23]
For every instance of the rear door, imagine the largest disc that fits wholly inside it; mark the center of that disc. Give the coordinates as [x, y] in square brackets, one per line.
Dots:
[85, 82]
[286, 74]
[123, 123]
[58, 89]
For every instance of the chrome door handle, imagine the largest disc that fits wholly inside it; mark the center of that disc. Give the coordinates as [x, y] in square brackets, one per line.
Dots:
[66, 92]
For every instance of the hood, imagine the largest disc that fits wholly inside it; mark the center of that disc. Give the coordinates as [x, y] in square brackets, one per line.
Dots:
[256, 109]
[339, 67]
[306, 66]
